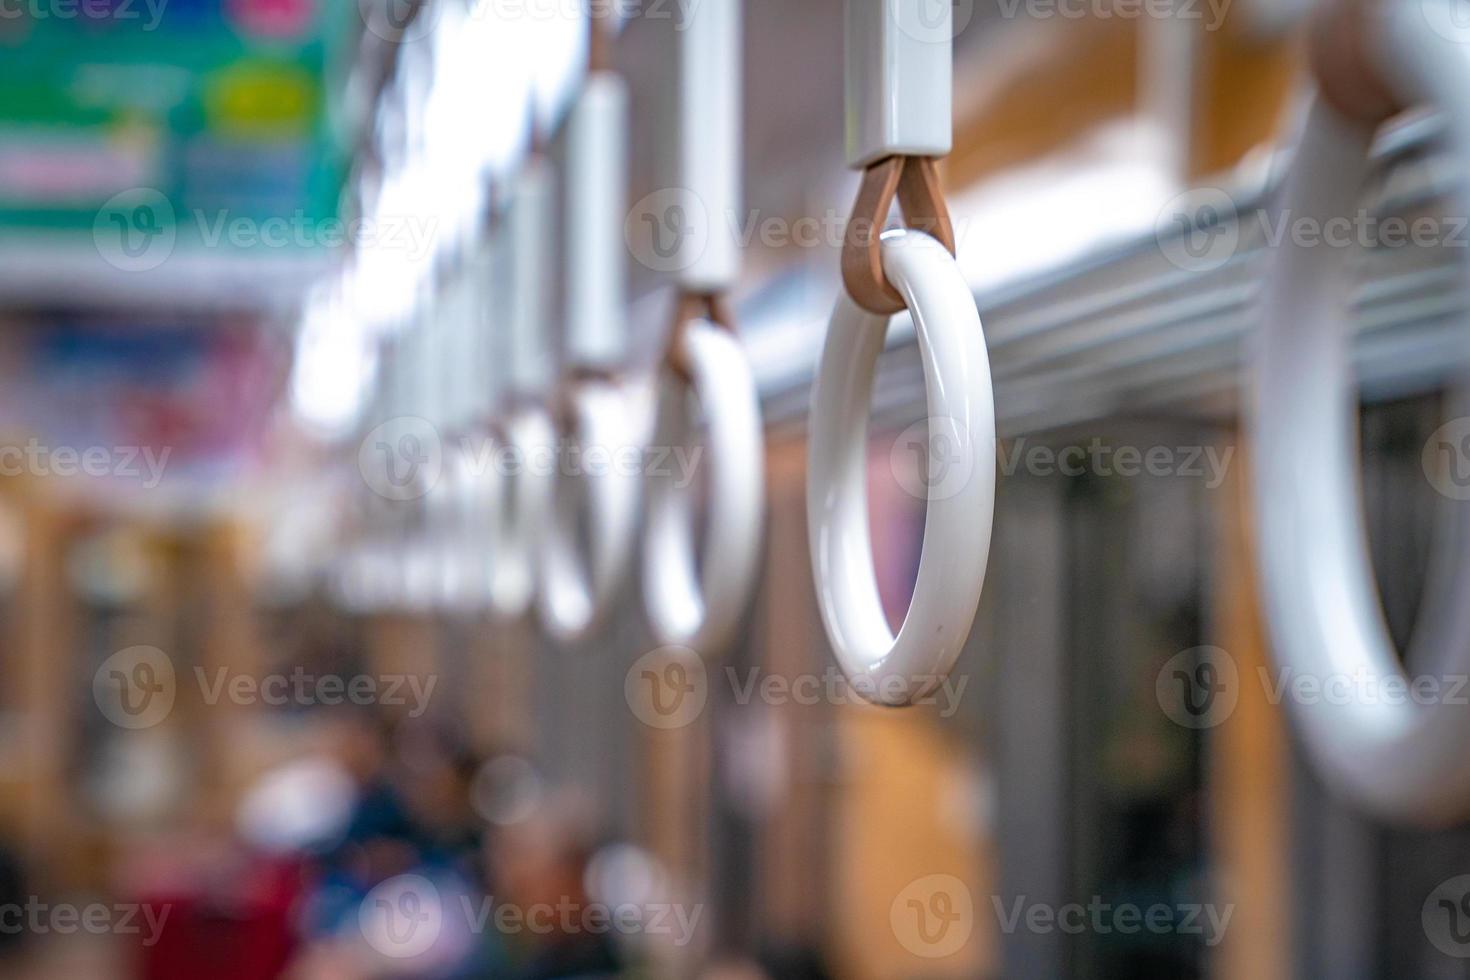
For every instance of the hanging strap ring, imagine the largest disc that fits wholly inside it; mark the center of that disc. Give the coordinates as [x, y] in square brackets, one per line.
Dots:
[695, 597]
[884, 668]
[914, 181]
[1392, 756]
[456, 508]
[526, 441]
[478, 492]
[601, 419]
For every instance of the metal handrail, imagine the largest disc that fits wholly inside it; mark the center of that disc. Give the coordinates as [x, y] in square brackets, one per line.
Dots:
[1122, 330]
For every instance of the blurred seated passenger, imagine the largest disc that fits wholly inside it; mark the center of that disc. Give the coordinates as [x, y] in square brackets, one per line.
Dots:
[540, 867]
[377, 839]
[397, 894]
[780, 961]
[438, 770]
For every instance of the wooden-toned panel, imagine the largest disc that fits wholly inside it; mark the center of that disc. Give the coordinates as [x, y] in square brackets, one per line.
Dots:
[1250, 768]
[1034, 88]
[1245, 83]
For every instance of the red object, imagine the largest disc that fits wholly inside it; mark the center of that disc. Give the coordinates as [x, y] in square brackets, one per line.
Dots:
[244, 935]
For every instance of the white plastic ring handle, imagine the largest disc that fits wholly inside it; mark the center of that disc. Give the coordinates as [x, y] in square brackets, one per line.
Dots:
[884, 668]
[525, 464]
[607, 427]
[700, 609]
[474, 488]
[1398, 759]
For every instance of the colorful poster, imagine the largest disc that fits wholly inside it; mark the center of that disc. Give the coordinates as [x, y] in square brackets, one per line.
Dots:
[190, 122]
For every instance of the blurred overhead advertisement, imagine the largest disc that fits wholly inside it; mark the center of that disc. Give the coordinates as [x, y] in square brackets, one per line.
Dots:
[138, 410]
[140, 128]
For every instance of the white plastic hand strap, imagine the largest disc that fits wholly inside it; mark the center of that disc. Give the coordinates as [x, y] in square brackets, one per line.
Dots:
[709, 144]
[484, 484]
[467, 483]
[524, 459]
[596, 206]
[961, 406]
[525, 438]
[530, 216]
[898, 111]
[701, 609]
[605, 419]
[443, 358]
[606, 432]
[374, 579]
[1399, 759]
[421, 583]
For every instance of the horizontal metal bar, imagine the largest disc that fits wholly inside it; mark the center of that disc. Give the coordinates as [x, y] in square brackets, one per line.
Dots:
[1125, 331]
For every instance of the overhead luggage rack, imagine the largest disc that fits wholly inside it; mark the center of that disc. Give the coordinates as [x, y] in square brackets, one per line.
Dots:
[1127, 330]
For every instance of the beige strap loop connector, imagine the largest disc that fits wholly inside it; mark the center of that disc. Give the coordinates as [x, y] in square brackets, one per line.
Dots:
[688, 307]
[1338, 49]
[914, 181]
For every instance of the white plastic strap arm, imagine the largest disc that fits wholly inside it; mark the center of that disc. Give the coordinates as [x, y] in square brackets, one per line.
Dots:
[446, 357]
[389, 359]
[597, 178]
[413, 368]
[400, 400]
[898, 79]
[491, 324]
[440, 366]
[430, 367]
[466, 344]
[709, 139]
[410, 348]
[529, 368]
